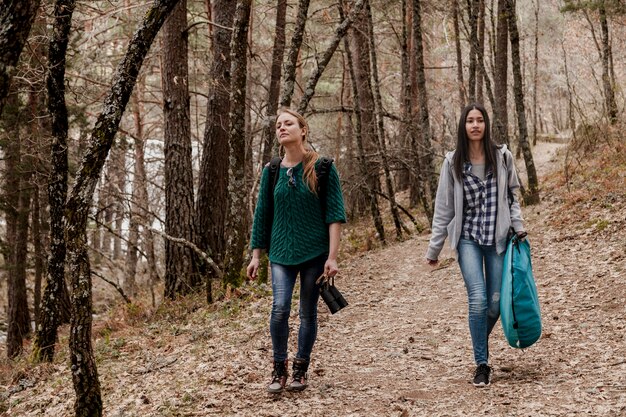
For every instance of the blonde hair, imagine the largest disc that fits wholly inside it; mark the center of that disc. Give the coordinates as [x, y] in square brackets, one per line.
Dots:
[310, 156]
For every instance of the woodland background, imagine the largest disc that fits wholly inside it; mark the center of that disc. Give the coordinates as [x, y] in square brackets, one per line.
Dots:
[132, 143]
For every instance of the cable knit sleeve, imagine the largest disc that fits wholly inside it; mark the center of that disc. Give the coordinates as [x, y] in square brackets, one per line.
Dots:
[260, 234]
[335, 212]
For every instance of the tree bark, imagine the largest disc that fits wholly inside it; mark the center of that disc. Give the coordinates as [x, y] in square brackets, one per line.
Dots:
[472, 9]
[16, 19]
[426, 150]
[500, 112]
[211, 204]
[289, 79]
[118, 159]
[459, 54]
[532, 195]
[404, 174]
[38, 252]
[357, 87]
[480, 51]
[55, 305]
[17, 310]
[378, 106]
[181, 275]
[84, 372]
[136, 203]
[535, 71]
[278, 54]
[238, 194]
[609, 93]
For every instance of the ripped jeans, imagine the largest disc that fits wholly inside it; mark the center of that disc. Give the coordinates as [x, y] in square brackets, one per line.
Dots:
[481, 267]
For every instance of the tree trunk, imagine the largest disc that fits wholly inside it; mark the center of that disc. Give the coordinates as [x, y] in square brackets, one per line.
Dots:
[609, 93]
[426, 149]
[340, 32]
[118, 158]
[535, 71]
[364, 167]
[459, 54]
[141, 202]
[16, 19]
[274, 89]
[38, 252]
[181, 275]
[480, 51]
[84, 372]
[472, 10]
[211, 204]
[404, 174]
[55, 303]
[382, 147]
[500, 112]
[289, 79]
[532, 195]
[136, 203]
[16, 293]
[19, 315]
[238, 194]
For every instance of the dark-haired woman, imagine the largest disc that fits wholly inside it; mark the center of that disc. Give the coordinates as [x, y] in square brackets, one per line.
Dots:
[304, 240]
[475, 207]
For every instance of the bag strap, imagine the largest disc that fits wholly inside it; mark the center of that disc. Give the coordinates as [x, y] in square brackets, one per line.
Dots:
[322, 170]
[274, 167]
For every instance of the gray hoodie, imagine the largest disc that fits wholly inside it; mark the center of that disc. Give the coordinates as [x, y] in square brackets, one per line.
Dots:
[448, 217]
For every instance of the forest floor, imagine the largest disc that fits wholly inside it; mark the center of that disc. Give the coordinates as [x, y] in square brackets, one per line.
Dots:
[402, 346]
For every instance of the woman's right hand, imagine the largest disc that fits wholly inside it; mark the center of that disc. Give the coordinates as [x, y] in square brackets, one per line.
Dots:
[432, 262]
[253, 268]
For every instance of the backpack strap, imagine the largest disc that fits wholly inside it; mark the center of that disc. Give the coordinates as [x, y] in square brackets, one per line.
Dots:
[274, 167]
[322, 170]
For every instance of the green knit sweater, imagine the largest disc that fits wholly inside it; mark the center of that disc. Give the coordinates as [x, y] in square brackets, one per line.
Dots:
[298, 231]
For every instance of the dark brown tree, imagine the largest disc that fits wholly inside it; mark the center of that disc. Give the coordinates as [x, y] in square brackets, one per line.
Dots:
[360, 85]
[609, 92]
[56, 297]
[459, 54]
[18, 320]
[425, 153]
[84, 372]
[535, 69]
[181, 275]
[237, 192]
[16, 19]
[532, 195]
[278, 53]
[480, 51]
[500, 112]
[211, 204]
[472, 10]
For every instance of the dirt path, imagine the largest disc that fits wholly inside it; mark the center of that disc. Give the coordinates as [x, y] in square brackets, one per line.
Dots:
[402, 347]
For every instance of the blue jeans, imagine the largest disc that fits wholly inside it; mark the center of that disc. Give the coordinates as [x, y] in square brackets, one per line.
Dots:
[481, 267]
[283, 282]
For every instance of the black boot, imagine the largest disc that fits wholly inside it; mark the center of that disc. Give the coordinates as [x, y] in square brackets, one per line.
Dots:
[279, 377]
[300, 368]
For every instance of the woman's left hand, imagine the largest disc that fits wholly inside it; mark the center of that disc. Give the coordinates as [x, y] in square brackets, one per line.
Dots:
[330, 267]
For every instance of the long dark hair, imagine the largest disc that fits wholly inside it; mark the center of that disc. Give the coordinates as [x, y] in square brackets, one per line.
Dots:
[462, 149]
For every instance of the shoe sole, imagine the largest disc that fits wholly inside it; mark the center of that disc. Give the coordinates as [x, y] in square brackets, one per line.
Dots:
[275, 391]
[296, 388]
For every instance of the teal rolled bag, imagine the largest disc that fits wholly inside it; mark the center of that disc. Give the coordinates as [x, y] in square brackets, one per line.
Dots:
[519, 304]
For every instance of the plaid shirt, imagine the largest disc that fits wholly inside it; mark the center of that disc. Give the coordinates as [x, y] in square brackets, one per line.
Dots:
[480, 206]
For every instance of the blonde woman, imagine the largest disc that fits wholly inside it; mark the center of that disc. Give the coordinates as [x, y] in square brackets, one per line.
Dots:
[302, 238]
